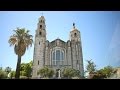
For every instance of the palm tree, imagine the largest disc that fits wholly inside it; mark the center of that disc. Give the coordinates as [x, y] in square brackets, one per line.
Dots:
[20, 40]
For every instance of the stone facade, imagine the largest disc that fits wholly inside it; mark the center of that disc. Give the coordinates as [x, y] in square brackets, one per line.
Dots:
[57, 54]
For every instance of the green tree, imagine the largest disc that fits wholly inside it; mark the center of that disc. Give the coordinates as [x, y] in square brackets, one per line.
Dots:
[12, 74]
[26, 69]
[70, 72]
[22, 69]
[46, 72]
[8, 70]
[21, 40]
[77, 73]
[106, 71]
[3, 74]
[91, 67]
[0, 68]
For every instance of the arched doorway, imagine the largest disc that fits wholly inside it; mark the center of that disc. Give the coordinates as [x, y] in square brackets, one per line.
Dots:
[58, 73]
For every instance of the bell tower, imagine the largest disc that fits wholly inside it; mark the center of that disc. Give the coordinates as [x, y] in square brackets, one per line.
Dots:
[75, 34]
[39, 46]
[76, 49]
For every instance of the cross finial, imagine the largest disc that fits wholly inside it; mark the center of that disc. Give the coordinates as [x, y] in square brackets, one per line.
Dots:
[73, 25]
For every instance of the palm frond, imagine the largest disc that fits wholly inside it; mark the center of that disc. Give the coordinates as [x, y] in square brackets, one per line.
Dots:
[12, 40]
[21, 39]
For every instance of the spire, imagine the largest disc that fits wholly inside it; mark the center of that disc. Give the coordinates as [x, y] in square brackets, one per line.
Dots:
[42, 17]
[41, 23]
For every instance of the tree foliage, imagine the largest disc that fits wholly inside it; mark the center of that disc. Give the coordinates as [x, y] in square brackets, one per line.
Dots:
[12, 74]
[26, 69]
[3, 74]
[46, 72]
[8, 70]
[70, 72]
[103, 73]
[106, 71]
[0, 68]
[91, 67]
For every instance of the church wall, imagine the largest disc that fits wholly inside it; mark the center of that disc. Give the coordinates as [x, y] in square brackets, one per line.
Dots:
[65, 55]
[36, 57]
[81, 60]
[69, 61]
[73, 55]
[47, 54]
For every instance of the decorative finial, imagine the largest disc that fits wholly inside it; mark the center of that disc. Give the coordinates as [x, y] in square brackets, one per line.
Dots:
[74, 25]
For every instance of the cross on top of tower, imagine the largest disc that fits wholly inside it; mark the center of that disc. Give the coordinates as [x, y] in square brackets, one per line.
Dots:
[74, 25]
[41, 17]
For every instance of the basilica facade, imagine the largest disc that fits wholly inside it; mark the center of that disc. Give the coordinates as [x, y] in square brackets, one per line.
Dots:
[57, 54]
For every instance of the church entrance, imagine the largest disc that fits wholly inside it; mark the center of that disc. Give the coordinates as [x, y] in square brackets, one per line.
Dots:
[58, 73]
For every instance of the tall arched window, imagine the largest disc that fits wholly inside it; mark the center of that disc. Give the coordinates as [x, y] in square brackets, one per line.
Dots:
[40, 26]
[39, 33]
[57, 57]
[75, 34]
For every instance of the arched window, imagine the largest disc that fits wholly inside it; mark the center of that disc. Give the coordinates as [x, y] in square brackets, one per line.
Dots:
[39, 33]
[57, 57]
[40, 26]
[38, 62]
[75, 34]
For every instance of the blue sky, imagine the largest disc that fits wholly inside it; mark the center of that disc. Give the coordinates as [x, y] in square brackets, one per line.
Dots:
[100, 33]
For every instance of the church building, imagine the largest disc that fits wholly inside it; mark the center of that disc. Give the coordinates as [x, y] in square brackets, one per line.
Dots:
[57, 54]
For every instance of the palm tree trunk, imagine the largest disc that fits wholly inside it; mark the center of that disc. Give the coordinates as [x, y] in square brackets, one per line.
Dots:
[17, 75]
